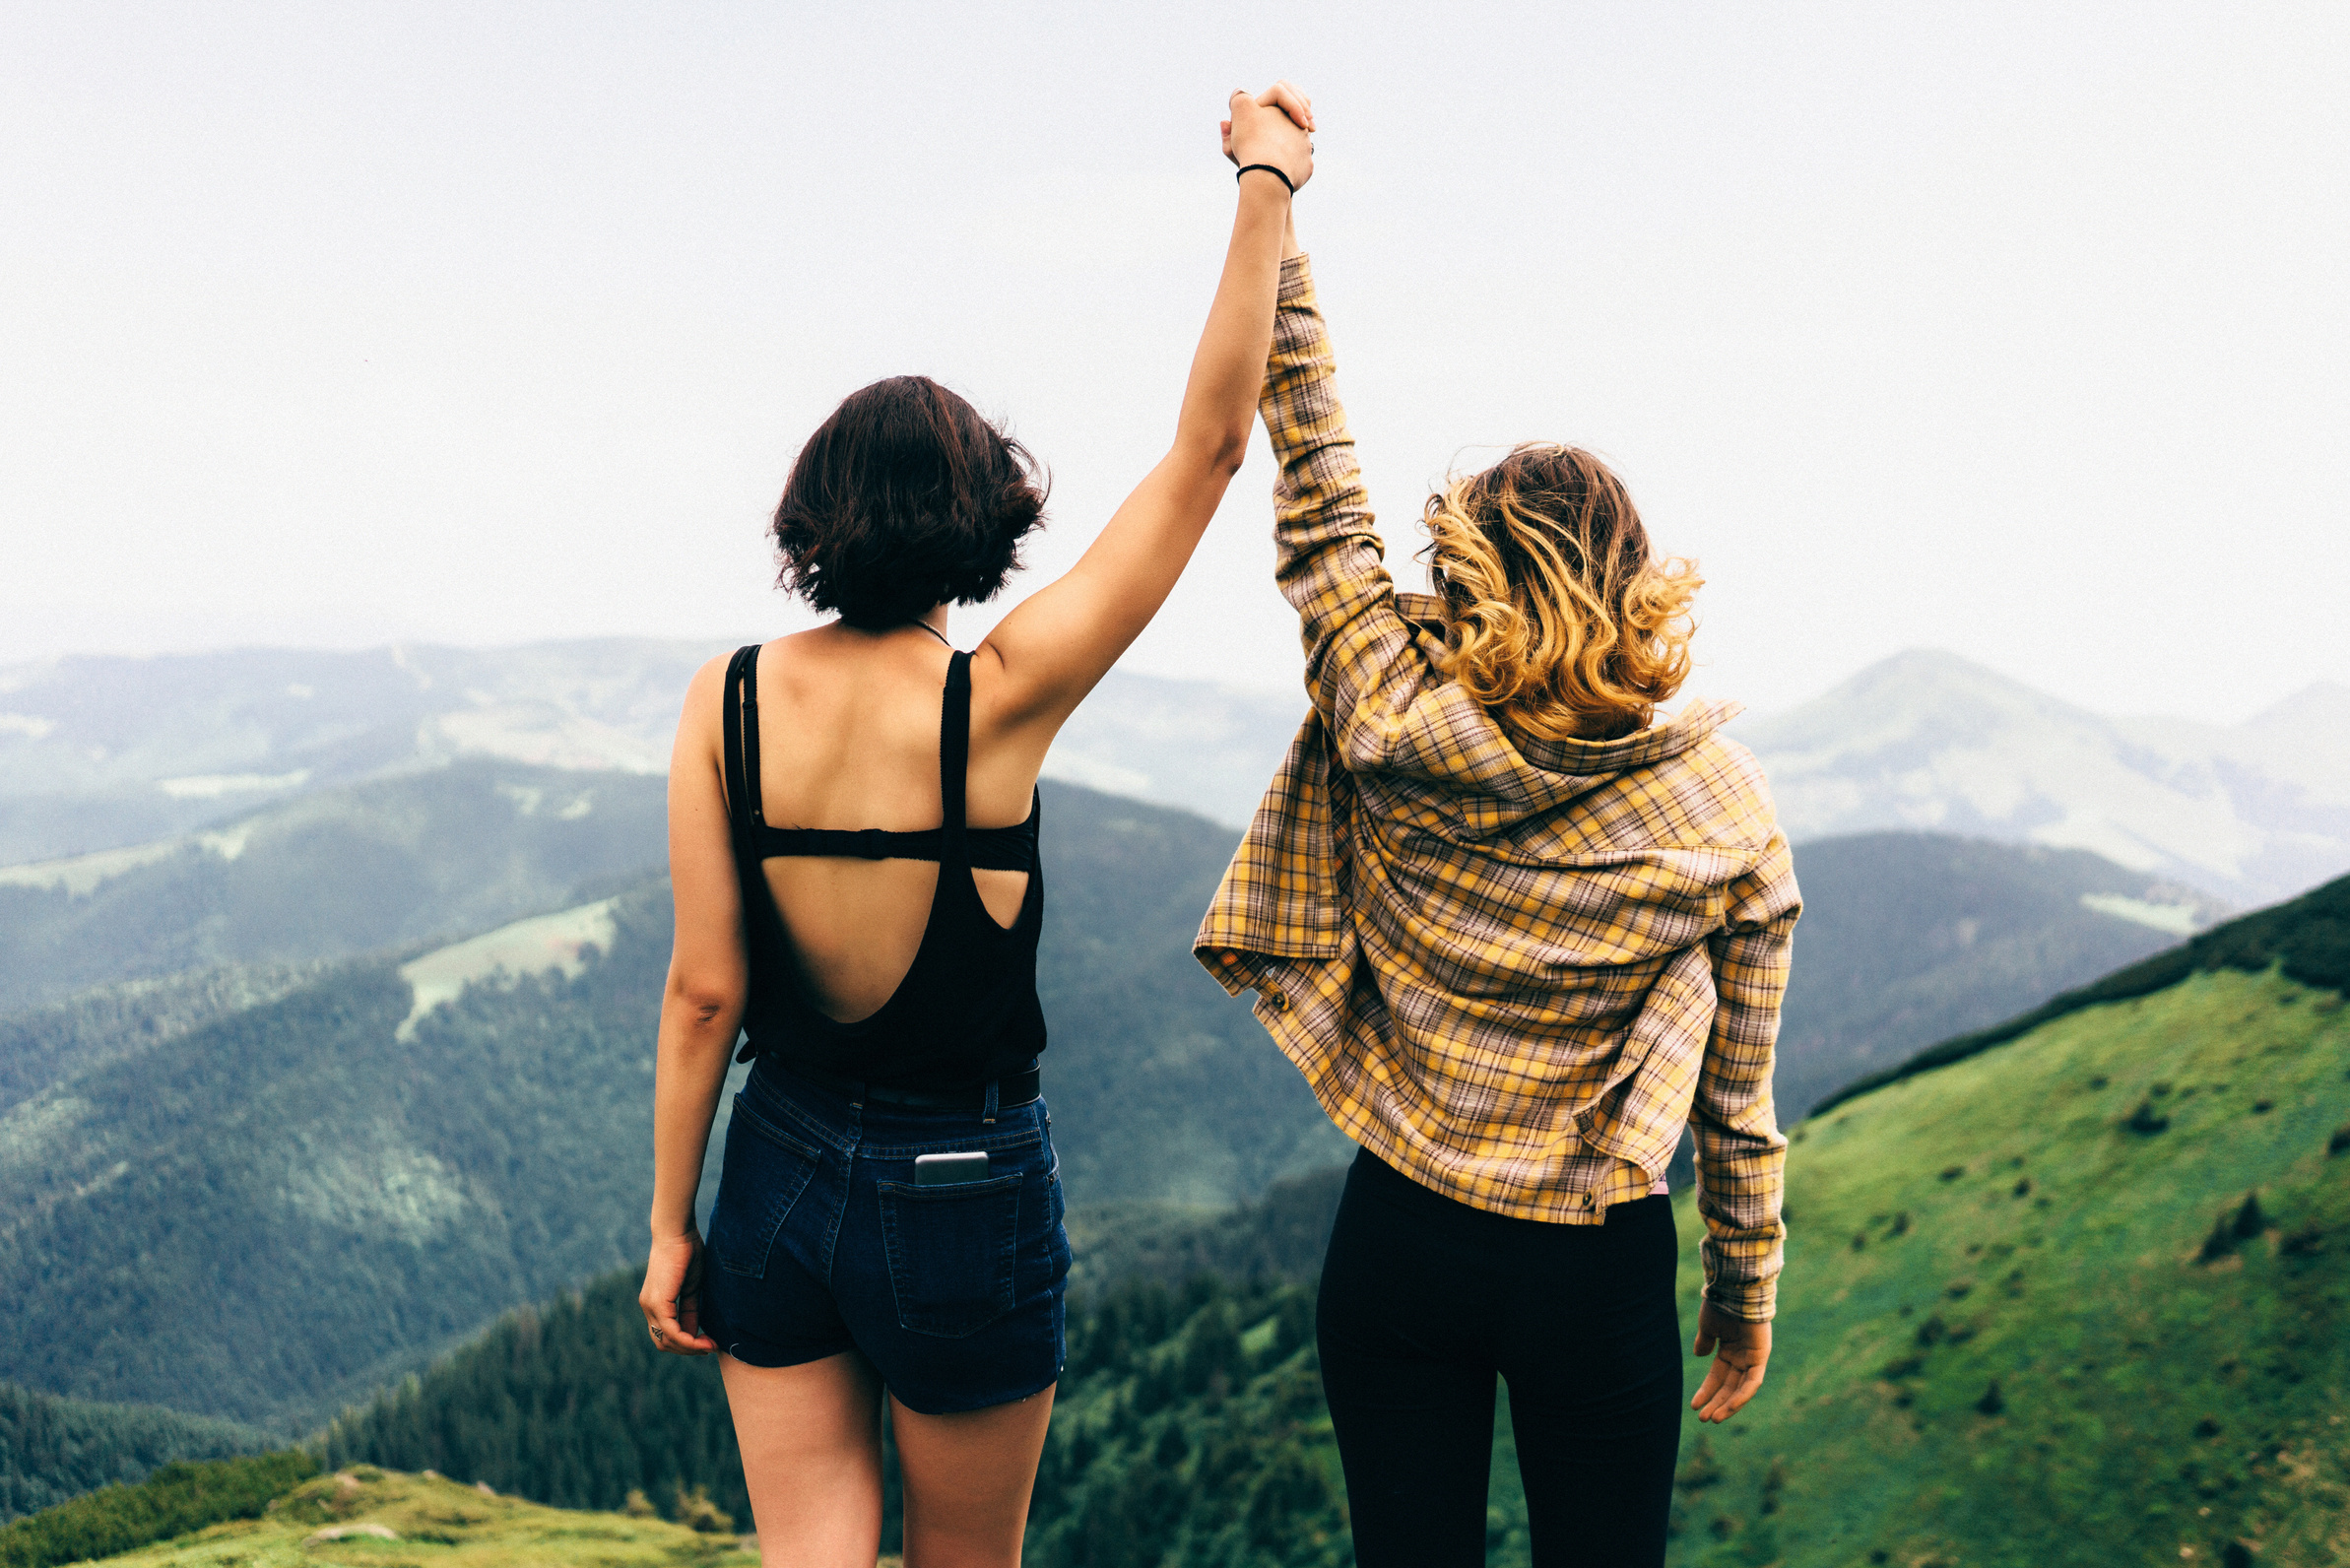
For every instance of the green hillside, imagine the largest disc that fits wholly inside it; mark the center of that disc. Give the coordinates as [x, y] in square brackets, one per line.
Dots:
[180, 1497]
[2009, 1333]
[438, 854]
[1909, 939]
[274, 1212]
[111, 1023]
[1279, 1237]
[53, 1449]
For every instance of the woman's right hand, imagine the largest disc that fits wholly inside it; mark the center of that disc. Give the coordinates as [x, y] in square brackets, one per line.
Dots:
[1273, 127]
[670, 1300]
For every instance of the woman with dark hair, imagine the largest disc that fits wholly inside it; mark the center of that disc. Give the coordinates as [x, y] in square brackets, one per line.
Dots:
[853, 848]
[1517, 932]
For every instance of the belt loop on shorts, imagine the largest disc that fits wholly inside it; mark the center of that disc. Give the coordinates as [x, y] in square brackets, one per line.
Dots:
[987, 1111]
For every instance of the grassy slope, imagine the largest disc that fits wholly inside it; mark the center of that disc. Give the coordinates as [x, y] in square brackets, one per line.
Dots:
[440, 1523]
[2156, 1405]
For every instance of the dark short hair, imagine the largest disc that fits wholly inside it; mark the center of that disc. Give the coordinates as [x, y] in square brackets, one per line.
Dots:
[904, 498]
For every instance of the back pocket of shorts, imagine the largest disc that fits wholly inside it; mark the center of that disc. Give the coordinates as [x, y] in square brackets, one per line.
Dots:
[951, 1250]
[764, 1172]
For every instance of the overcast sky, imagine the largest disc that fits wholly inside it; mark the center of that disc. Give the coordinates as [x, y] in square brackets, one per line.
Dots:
[2016, 330]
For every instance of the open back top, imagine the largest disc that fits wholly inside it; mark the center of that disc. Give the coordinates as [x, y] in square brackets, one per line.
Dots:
[966, 1010]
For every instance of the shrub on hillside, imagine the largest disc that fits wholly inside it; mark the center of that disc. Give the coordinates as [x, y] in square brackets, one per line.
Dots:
[175, 1499]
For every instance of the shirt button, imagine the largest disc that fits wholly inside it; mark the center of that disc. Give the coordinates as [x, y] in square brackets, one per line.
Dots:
[1586, 1200]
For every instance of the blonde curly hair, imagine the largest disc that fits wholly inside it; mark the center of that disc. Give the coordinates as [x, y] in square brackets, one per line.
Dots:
[1561, 623]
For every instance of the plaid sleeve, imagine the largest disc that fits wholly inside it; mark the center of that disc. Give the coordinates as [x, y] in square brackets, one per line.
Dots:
[1742, 1159]
[1362, 665]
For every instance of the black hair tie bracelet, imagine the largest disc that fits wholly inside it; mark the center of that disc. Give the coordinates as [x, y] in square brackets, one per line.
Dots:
[1269, 170]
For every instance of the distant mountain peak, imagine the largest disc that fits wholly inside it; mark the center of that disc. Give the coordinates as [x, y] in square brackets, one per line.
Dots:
[1929, 739]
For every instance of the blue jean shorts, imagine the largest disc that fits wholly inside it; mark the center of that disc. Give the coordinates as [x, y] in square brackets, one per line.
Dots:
[821, 1242]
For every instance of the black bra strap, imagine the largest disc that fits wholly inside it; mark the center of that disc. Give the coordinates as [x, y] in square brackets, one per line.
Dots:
[741, 761]
[753, 799]
[954, 763]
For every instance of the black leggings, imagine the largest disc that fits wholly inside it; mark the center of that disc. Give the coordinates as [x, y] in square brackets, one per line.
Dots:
[1425, 1300]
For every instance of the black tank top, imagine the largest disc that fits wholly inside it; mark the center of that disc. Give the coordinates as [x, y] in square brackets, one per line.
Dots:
[966, 1010]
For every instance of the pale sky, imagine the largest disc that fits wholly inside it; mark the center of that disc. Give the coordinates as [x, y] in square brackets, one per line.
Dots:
[2013, 329]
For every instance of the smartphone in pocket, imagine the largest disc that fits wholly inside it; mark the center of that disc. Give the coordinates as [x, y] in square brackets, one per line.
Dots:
[948, 1170]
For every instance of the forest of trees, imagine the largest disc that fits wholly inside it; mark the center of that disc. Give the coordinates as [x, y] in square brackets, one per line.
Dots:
[53, 1449]
[565, 1405]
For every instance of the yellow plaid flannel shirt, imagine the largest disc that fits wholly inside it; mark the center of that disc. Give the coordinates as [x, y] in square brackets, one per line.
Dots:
[1511, 970]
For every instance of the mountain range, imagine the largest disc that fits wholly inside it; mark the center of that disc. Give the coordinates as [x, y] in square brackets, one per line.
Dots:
[438, 854]
[102, 752]
[1908, 937]
[302, 1085]
[2251, 811]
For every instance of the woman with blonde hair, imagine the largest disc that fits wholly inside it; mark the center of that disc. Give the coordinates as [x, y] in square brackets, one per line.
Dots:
[1517, 931]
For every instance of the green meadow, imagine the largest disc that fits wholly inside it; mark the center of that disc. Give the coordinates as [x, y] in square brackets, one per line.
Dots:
[2027, 1319]
[371, 1518]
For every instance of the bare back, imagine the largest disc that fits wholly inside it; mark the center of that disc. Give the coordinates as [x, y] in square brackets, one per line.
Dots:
[849, 739]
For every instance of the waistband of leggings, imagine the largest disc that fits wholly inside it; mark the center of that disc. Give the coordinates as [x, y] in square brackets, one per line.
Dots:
[1444, 1208]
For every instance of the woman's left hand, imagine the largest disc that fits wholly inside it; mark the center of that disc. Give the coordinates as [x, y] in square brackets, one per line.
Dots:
[1740, 1352]
[672, 1296]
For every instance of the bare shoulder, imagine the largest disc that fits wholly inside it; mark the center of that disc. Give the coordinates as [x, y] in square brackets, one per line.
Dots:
[704, 690]
[699, 724]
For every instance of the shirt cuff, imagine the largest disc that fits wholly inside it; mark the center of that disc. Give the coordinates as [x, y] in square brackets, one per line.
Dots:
[1749, 1300]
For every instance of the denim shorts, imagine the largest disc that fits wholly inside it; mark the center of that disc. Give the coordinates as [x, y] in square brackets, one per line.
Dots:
[821, 1242]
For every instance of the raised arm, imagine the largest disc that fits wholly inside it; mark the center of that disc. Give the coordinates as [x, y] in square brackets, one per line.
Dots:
[1045, 655]
[1364, 670]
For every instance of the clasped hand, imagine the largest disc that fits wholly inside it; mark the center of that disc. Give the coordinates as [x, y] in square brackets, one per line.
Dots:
[1273, 127]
